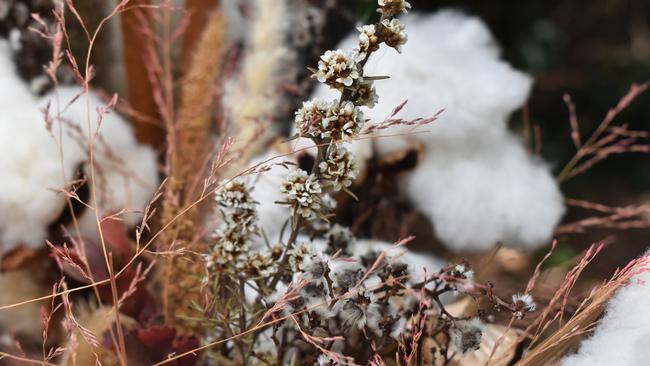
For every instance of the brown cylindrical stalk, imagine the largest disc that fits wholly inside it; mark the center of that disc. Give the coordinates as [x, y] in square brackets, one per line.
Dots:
[182, 272]
[139, 88]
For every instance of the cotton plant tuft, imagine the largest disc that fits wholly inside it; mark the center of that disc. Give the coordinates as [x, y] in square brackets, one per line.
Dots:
[37, 163]
[476, 182]
[621, 337]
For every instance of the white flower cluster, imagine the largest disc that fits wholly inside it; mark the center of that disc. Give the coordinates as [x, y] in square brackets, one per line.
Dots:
[239, 223]
[302, 192]
[36, 164]
[393, 7]
[394, 34]
[337, 69]
[368, 41]
[339, 168]
[329, 120]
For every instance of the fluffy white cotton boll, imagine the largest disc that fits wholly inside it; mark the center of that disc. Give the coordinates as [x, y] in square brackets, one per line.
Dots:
[37, 164]
[450, 62]
[126, 172]
[478, 197]
[31, 171]
[12, 88]
[621, 337]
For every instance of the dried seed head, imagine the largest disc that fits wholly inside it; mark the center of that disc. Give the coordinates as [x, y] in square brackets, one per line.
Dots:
[466, 334]
[339, 238]
[522, 304]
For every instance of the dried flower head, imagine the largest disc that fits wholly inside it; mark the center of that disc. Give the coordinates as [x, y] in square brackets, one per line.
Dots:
[337, 69]
[466, 334]
[314, 267]
[393, 33]
[302, 191]
[345, 121]
[365, 94]
[339, 238]
[234, 194]
[321, 119]
[347, 276]
[258, 264]
[309, 118]
[230, 243]
[393, 7]
[522, 304]
[339, 168]
[368, 42]
[245, 220]
[358, 310]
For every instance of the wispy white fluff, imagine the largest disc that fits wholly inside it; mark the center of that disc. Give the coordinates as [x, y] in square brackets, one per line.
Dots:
[252, 96]
[35, 163]
[622, 336]
[476, 183]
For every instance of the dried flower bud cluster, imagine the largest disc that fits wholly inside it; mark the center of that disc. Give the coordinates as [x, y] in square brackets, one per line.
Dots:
[337, 69]
[339, 169]
[393, 7]
[393, 33]
[232, 239]
[368, 42]
[302, 192]
[239, 222]
[320, 120]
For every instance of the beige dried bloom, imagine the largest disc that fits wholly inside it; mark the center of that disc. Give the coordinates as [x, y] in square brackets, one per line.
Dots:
[337, 69]
[258, 264]
[322, 119]
[365, 94]
[229, 245]
[309, 118]
[234, 194]
[393, 33]
[345, 121]
[393, 7]
[339, 168]
[302, 192]
[368, 42]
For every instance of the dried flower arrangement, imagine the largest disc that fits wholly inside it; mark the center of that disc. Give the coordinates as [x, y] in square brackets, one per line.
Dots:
[218, 278]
